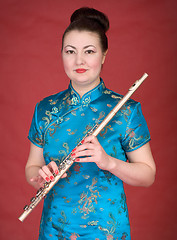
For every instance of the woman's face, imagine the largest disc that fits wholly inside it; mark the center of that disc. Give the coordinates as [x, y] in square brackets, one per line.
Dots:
[82, 58]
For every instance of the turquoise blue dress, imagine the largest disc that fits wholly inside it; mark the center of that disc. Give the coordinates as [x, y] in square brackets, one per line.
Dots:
[90, 203]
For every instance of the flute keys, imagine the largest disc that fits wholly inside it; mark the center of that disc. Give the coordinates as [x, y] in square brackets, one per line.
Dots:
[46, 185]
[62, 166]
[39, 192]
[69, 161]
[32, 199]
[26, 207]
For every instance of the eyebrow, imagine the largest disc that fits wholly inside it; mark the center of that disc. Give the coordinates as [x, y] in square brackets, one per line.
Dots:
[84, 47]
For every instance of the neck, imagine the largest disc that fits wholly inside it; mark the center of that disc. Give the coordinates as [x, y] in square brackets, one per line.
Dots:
[81, 89]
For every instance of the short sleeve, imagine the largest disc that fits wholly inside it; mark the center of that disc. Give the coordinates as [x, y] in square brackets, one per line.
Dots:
[35, 133]
[137, 132]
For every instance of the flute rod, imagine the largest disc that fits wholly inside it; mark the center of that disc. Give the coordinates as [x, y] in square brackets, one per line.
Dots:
[68, 161]
[131, 90]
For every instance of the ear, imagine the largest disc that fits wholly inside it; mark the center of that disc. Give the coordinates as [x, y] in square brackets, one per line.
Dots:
[104, 56]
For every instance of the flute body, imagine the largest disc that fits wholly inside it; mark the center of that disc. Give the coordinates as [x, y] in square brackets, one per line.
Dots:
[68, 161]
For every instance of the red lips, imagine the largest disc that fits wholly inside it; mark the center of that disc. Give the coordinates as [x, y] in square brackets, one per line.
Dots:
[81, 70]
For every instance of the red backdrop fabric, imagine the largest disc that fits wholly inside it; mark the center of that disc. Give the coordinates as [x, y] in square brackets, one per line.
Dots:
[142, 38]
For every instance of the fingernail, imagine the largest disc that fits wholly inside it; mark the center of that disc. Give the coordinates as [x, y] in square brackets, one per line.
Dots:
[73, 154]
[74, 150]
[51, 178]
[77, 160]
[47, 179]
[56, 172]
[82, 141]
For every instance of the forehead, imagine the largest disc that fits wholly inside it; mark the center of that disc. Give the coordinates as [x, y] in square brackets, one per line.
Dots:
[81, 38]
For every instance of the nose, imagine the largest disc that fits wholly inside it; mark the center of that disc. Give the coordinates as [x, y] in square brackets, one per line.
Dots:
[80, 59]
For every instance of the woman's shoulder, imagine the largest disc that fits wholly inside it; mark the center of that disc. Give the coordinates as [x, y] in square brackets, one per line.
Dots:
[52, 100]
[115, 97]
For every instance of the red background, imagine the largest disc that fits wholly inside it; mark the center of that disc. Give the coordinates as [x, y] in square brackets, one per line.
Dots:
[142, 38]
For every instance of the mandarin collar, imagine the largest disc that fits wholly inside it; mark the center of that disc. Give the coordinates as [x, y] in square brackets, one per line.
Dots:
[87, 97]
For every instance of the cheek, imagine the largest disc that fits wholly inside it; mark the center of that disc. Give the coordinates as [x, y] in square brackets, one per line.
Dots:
[96, 69]
[96, 65]
[67, 65]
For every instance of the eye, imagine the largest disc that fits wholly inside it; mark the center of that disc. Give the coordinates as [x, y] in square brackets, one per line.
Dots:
[70, 52]
[90, 51]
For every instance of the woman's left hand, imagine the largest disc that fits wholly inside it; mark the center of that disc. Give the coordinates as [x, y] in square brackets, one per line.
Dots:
[139, 171]
[91, 151]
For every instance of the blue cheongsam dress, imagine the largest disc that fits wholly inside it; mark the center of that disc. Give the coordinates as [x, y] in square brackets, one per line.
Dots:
[90, 203]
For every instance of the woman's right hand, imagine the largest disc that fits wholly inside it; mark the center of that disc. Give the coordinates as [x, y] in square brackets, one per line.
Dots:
[38, 181]
[46, 174]
[37, 173]
[47, 171]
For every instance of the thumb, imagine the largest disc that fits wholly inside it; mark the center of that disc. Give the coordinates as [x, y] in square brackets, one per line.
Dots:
[34, 179]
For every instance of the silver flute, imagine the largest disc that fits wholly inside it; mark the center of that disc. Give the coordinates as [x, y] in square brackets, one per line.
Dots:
[69, 160]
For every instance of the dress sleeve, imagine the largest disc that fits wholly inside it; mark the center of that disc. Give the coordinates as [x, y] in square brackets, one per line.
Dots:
[137, 133]
[35, 133]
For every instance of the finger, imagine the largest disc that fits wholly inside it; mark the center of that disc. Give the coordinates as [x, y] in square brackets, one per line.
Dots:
[37, 179]
[84, 153]
[64, 175]
[46, 174]
[85, 159]
[34, 179]
[86, 146]
[53, 166]
[91, 139]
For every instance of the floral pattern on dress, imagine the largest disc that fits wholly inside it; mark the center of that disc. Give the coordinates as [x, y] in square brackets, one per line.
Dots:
[89, 203]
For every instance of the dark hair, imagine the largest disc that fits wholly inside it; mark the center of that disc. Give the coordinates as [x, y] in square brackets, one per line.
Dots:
[92, 20]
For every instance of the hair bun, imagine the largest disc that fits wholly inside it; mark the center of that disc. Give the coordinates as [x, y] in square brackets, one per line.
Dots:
[93, 14]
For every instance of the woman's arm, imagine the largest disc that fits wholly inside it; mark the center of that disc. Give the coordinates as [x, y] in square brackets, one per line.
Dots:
[139, 171]
[34, 163]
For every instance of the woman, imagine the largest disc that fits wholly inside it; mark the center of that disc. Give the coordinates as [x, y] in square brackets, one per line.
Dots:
[89, 201]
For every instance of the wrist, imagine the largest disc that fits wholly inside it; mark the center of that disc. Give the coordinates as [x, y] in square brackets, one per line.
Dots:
[112, 163]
